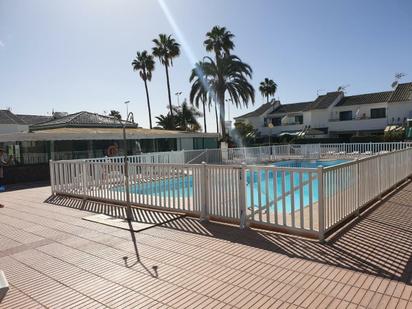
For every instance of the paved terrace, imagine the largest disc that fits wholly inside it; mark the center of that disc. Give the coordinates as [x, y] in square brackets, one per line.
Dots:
[55, 259]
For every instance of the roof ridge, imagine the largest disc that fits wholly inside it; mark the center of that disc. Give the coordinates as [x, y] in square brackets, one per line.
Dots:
[78, 115]
[369, 93]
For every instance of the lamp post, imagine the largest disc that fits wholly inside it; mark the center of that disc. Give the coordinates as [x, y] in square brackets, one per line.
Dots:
[177, 94]
[229, 101]
[127, 107]
[126, 166]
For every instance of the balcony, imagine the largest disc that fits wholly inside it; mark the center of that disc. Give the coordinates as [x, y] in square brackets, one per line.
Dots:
[279, 128]
[362, 124]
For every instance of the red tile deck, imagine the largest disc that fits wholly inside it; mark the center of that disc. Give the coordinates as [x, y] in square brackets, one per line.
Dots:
[52, 258]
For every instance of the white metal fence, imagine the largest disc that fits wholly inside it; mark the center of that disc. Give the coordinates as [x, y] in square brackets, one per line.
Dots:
[252, 155]
[310, 201]
[350, 186]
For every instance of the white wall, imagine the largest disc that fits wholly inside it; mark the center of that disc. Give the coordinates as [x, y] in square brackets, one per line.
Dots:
[399, 110]
[358, 125]
[364, 110]
[319, 118]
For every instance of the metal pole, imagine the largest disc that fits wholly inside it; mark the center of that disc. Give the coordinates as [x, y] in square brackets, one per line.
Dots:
[242, 196]
[321, 206]
[126, 171]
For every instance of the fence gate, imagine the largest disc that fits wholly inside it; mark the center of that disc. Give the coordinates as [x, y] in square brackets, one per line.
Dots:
[223, 196]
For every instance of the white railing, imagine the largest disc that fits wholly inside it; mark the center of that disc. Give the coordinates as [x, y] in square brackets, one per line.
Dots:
[252, 155]
[281, 196]
[171, 157]
[349, 186]
[223, 195]
[308, 201]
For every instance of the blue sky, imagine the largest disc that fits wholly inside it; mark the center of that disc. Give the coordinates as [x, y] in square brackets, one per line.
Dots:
[76, 55]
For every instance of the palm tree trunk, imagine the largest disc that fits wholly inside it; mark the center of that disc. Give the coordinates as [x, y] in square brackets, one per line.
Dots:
[148, 104]
[204, 114]
[168, 90]
[217, 119]
[221, 102]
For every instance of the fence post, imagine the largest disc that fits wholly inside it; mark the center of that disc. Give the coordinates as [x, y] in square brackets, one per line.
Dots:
[242, 196]
[84, 180]
[357, 187]
[379, 177]
[204, 211]
[321, 210]
[52, 175]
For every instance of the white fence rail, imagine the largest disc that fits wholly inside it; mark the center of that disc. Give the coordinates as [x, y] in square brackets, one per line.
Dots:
[223, 194]
[281, 196]
[310, 201]
[350, 186]
[253, 155]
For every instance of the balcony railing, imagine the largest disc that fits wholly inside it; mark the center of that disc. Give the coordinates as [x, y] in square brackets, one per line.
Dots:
[285, 124]
[362, 118]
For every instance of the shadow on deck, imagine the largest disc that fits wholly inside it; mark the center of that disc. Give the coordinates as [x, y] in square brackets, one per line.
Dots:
[379, 243]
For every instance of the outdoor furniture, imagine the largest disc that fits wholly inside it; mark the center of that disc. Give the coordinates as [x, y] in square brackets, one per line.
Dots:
[4, 285]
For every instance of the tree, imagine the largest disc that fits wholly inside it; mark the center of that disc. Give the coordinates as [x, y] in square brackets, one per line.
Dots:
[166, 49]
[186, 117]
[226, 73]
[229, 75]
[144, 63]
[245, 130]
[115, 114]
[166, 122]
[199, 92]
[268, 88]
[219, 40]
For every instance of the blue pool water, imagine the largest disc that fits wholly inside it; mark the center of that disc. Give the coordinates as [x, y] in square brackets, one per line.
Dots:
[308, 163]
[270, 183]
[272, 188]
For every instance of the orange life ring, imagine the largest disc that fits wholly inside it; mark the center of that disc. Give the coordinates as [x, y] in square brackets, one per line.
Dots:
[112, 151]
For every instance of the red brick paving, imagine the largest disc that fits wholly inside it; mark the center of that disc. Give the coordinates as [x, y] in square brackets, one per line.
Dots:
[54, 259]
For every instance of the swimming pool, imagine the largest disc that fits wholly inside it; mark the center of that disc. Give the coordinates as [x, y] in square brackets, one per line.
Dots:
[309, 163]
[274, 186]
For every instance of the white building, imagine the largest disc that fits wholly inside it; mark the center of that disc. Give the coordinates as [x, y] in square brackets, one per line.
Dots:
[334, 114]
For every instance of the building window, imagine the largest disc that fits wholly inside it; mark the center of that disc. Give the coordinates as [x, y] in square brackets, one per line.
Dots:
[378, 112]
[299, 119]
[346, 115]
[277, 121]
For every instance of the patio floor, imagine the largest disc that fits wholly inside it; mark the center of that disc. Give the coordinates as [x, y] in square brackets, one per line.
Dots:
[53, 258]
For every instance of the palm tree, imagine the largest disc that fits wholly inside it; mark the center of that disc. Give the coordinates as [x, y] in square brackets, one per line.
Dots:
[166, 48]
[166, 122]
[229, 75]
[268, 88]
[115, 114]
[219, 40]
[186, 117]
[144, 63]
[199, 92]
